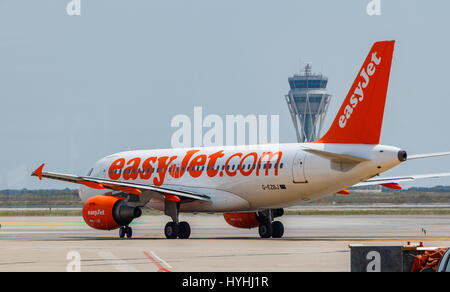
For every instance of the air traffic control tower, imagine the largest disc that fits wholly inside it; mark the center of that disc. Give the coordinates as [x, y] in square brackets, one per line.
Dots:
[308, 102]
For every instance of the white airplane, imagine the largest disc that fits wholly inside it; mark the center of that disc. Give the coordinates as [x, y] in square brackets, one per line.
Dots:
[249, 184]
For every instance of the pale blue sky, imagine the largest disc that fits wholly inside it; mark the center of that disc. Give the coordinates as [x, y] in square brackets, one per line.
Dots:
[76, 88]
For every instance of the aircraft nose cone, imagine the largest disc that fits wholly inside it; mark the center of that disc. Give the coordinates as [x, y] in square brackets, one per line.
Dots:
[402, 155]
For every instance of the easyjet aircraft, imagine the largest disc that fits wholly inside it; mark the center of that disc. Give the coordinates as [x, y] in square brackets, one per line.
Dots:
[249, 184]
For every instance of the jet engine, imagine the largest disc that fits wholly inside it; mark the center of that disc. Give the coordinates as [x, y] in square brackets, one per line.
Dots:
[107, 213]
[242, 220]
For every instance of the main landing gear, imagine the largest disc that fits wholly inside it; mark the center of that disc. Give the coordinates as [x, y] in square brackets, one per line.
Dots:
[269, 228]
[181, 230]
[175, 229]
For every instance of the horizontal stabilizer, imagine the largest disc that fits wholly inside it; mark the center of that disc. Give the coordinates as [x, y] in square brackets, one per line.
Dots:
[337, 157]
[398, 179]
[428, 155]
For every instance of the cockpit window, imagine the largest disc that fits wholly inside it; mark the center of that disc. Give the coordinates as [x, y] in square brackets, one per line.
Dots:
[90, 172]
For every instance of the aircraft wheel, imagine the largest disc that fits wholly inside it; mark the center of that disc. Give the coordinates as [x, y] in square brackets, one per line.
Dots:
[122, 232]
[265, 230]
[278, 229]
[129, 232]
[184, 230]
[171, 230]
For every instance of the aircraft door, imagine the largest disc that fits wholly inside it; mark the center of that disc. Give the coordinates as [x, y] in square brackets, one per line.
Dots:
[298, 167]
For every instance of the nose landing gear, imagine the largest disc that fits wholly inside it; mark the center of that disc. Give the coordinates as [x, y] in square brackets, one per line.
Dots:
[125, 230]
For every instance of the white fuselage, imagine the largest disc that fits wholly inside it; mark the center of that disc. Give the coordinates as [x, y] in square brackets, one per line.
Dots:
[246, 178]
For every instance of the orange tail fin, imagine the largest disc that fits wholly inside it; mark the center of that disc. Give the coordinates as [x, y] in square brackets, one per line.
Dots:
[360, 117]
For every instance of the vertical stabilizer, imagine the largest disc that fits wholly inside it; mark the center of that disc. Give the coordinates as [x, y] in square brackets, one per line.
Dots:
[360, 117]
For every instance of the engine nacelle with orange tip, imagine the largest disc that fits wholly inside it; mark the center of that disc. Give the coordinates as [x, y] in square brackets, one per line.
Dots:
[242, 220]
[107, 213]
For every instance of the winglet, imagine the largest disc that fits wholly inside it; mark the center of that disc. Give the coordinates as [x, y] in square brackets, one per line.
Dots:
[38, 171]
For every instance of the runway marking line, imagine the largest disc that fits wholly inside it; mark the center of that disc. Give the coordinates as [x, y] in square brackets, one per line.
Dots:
[38, 223]
[160, 259]
[160, 267]
[119, 264]
[406, 239]
[134, 236]
[51, 223]
[217, 237]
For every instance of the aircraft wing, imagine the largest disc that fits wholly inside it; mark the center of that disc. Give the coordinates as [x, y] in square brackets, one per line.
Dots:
[170, 194]
[390, 181]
